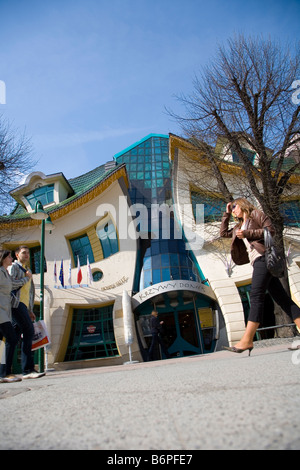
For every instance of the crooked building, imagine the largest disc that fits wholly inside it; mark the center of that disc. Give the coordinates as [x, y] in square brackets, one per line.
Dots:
[145, 226]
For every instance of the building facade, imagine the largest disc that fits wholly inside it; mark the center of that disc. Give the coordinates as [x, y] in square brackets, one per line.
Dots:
[145, 226]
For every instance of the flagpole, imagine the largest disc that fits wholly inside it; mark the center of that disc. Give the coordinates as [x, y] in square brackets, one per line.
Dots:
[55, 273]
[89, 272]
[70, 274]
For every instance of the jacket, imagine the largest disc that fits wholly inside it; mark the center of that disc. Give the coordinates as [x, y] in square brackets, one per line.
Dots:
[7, 284]
[254, 234]
[155, 325]
[17, 274]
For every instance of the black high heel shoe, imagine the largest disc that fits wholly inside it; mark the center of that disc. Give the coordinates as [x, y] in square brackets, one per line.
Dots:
[237, 350]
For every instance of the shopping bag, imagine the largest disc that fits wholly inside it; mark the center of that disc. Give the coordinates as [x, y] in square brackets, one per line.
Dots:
[2, 352]
[40, 337]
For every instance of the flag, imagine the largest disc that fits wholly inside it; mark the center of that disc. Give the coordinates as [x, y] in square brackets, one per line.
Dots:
[79, 273]
[69, 274]
[54, 273]
[89, 272]
[61, 274]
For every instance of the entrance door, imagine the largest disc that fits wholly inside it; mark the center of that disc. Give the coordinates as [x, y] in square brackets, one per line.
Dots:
[181, 333]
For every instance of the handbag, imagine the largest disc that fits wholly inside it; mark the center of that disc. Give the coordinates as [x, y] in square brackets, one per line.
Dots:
[2, 352]
[275, 262]
[40, 337]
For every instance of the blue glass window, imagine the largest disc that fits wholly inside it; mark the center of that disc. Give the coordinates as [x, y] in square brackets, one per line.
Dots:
[250, 154]
[35, 260]
[44, 194]
[166, 260]
[213, 206]
[290, 211]
[92, 334]
[108, 239]
[166, 274]
[81, 247]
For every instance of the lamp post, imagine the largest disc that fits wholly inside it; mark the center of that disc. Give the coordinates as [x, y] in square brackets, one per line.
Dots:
[40, 214]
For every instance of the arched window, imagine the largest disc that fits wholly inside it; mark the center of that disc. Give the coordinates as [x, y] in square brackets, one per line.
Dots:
[107, 234]
[44, 194]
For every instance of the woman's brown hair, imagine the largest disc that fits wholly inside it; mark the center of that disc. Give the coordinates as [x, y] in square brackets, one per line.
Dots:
[3, 254]
[246, 206]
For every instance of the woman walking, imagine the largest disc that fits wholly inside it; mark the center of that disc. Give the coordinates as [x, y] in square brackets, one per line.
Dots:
[248, 246]
[6, 329]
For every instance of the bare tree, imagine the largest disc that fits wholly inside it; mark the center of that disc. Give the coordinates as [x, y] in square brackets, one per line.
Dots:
[15, 162]
[244, 97]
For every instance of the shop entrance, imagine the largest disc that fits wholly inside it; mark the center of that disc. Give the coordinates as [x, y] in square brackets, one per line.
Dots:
[181, 333]
[189, 326]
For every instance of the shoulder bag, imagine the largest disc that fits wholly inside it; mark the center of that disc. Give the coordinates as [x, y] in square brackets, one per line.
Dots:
[275, 262]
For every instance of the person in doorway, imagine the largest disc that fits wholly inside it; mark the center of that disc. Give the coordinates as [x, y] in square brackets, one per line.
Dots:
[6, 329]
[248, 246]
[156, 327]
[22, 312]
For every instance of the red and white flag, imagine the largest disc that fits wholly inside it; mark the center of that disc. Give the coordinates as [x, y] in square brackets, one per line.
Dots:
[79, 273]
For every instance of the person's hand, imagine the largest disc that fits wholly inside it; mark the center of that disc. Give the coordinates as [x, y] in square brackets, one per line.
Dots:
[228, 208]
[28, 274]
[240, 233]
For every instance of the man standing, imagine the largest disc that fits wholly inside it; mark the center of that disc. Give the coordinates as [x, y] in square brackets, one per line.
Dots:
[22, 312]
[156, 326]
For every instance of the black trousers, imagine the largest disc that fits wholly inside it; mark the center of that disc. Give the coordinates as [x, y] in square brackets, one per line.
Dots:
[23, 325]
[157, 339]
[262, 281]
[11, 341]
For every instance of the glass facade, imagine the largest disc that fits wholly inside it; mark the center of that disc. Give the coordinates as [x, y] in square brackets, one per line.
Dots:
[149, 169]
[166, 260]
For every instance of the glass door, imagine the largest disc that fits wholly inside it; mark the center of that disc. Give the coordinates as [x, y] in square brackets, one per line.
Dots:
[180, 333]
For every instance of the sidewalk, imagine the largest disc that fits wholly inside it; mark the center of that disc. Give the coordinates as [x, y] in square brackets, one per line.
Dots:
[214, 401]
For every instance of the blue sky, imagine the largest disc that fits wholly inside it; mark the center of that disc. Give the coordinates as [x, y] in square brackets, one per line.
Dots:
[87, 78]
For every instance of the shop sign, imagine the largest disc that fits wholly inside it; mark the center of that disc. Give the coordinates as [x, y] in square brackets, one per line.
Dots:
[169, 286]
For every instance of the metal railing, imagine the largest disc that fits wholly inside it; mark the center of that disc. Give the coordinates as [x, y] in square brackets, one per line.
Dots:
[275, 328]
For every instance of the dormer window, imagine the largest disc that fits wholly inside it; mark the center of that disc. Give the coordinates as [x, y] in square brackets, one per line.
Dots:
[250, 154]
[44, 194]
[49, 190]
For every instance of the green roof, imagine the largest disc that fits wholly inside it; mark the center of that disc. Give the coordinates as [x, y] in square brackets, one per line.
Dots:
[81, 184]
